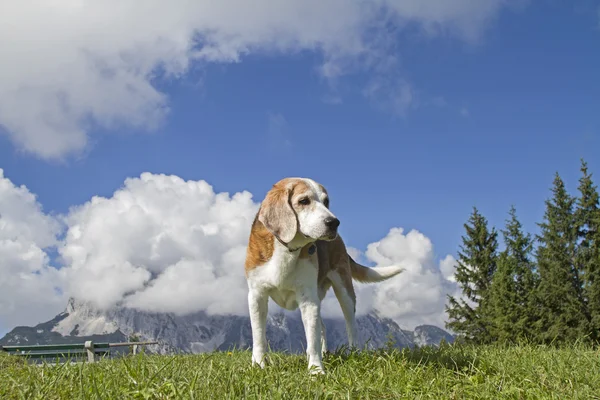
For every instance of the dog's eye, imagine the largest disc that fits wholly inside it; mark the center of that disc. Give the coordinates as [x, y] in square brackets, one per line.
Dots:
[326, 202]
[304, 201]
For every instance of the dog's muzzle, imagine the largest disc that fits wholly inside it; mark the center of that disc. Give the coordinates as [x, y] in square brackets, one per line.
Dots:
[332, 224]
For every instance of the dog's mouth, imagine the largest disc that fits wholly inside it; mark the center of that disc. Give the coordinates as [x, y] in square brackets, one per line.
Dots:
[330, 237]
[306, 236]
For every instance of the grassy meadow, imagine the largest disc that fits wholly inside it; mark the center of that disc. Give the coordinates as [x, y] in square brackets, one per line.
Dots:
[451, 372]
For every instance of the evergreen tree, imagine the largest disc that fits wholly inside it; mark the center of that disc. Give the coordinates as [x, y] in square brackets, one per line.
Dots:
[593, 280]
[562, 316]
[513, 286]
[587, 257]
[503, 301]
[471, 317]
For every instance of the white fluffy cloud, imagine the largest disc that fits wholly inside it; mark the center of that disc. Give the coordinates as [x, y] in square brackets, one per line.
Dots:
[73, 64]
[29, 287]
[418, 295]
[160, 243]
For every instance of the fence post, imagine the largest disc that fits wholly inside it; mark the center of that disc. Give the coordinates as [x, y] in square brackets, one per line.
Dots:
[89, 347]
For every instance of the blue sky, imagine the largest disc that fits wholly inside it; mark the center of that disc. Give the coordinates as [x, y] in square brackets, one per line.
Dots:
[483, 118]
[489, 126]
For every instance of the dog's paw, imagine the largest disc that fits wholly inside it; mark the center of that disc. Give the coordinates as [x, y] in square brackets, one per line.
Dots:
[316, 370]
[258, 361]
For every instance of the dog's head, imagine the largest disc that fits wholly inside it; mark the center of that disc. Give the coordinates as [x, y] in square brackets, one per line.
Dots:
[298, 206]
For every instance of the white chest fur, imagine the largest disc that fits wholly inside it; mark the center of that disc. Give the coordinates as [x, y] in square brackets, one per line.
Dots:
[285, 276]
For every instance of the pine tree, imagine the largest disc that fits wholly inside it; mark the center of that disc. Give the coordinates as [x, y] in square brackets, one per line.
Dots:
[513, 287]
[562, 316]
[471, 317]
[593, 280]
[587, 257]
[503, 301]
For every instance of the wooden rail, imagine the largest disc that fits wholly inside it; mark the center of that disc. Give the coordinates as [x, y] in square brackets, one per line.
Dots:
[74, 350]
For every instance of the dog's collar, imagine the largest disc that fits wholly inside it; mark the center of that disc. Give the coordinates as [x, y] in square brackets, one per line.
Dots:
[311, 249]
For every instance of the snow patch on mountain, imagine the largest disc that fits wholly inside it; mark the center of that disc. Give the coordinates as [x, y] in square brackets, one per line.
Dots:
[83, 320]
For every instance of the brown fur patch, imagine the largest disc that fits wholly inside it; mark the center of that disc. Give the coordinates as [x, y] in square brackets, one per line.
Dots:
[299, 188]
[260, 246]
[295, 185]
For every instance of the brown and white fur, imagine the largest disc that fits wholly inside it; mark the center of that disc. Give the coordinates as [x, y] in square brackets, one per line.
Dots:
[294, 256]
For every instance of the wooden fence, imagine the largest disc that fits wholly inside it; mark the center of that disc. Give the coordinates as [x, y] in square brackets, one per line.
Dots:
[91, 350]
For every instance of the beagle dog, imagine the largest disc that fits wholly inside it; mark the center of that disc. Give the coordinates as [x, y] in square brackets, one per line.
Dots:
[294, 256]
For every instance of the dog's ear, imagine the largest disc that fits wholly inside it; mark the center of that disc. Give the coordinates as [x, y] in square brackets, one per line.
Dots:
[277, 215]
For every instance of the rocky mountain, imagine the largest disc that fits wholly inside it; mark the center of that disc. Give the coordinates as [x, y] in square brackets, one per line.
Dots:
[424, 335]
[200, 332]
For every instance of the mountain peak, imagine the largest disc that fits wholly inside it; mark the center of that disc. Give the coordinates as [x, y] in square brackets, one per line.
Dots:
[200, 332]
[71, 305]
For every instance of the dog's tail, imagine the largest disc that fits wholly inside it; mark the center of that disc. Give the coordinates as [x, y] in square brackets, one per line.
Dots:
[375, 274]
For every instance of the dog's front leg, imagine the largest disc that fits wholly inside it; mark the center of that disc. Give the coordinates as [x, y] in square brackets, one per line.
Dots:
[258, 305]
[310, 308]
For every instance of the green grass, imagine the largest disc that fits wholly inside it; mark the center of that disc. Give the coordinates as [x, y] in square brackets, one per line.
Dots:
[452, 372]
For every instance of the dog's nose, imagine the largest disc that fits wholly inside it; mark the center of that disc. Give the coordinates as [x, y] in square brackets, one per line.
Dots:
[332, 222]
